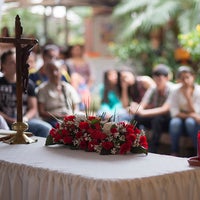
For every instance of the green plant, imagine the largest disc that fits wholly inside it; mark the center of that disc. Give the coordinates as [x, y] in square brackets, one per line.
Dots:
[140, 53]
[129, 49]
[191, 42]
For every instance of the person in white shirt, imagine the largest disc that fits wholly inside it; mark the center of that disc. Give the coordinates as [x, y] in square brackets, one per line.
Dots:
[184, 104]
[56, 98]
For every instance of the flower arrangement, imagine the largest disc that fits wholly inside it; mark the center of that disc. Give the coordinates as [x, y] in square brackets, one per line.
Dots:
[93, 134]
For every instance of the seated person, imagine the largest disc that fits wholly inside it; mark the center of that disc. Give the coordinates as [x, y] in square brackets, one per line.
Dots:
[80, 72]
[151, 112]
[32, 61]
[78, 82]
[77, 63]
[109, 92]
[8, 98]
[56, 98]
[50, 52]
[132, 89]
[184, 105]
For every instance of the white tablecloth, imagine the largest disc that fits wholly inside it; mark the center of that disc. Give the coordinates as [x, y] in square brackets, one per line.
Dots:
[37, 172]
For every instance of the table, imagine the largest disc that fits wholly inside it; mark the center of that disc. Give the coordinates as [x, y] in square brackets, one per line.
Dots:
[39, 172]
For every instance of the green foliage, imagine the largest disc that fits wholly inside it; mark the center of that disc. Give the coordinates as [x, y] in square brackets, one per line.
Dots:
[32, 23]
[139, 150]
[136, 18]
[191, 42]
[145, 14]
[139, 52]
[49, 140]
[130, 49]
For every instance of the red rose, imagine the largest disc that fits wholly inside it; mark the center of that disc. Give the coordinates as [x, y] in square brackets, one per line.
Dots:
[67, 140]
[91, 145]
[83, 145]
[113, 130]
[129, 126]
[129, 130]
[103, 136]
[125, 148]
[71, 127]
[52, 132]
[57, 125]
[96, 125]
[57, 137]
[97, 134]
[83, 125]
[65, 132]
[107, 145]
[136, 130]
[143, 142]
[79, 134]
[131, 137]
[69, 118]
[92, 118]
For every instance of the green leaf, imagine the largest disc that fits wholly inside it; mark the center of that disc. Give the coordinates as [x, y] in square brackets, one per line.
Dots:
[49, 140]
[139, 150]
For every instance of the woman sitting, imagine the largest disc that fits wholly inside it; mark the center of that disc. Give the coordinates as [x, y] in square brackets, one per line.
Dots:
[110, 99]
[132, 90]
[184, 108]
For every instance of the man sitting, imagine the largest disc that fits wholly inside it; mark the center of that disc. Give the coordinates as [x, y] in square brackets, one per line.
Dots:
[8, 98]
[151, 112]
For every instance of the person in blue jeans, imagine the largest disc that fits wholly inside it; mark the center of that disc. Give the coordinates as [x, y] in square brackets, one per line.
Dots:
[152, 114]
[177, 127]
[184, 104]
[8, 99]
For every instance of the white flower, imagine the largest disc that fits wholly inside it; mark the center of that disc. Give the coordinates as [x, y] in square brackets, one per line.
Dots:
[107, 126]
[80, 117]
[122, 138]
[116, 134]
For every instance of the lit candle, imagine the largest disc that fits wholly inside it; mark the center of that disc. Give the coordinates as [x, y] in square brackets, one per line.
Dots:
[198, 145]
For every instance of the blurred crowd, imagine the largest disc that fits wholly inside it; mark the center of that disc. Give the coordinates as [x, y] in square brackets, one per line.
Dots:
[60, 83]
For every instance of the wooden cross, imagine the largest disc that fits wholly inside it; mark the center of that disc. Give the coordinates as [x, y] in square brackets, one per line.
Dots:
[23, 48]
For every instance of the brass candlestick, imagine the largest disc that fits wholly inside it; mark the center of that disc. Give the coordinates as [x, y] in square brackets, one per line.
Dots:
[23, 48]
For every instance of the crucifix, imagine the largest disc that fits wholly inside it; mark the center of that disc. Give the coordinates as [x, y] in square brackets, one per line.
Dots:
[23, 47]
